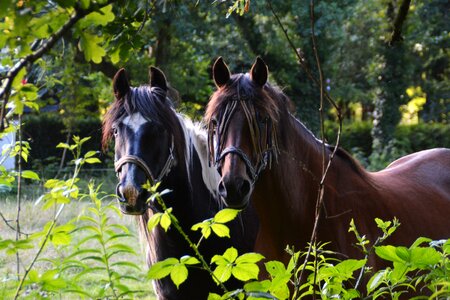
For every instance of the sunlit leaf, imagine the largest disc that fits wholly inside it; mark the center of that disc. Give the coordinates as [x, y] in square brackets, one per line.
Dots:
[93, 160]
[179, 274]
[249, 258]
[245, 271]
[189, 260]
[222, 272]
[89, 44]
[226, 215]
[220, 230]
[162, 269]
[30, 175]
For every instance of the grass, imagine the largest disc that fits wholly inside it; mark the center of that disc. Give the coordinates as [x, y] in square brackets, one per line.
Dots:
[33, 219]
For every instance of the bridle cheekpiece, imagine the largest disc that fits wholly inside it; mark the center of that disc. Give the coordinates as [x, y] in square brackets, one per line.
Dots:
[262, 134]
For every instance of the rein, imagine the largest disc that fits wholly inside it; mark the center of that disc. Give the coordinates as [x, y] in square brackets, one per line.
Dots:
[139, 162]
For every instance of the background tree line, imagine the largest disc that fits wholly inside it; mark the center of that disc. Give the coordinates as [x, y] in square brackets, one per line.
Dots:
[373, 75]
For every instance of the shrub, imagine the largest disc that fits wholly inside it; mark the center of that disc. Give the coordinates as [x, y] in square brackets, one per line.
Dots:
[356, 138]
[45, 131]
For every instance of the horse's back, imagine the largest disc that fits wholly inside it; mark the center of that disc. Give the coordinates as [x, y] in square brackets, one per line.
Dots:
[427, 168]
[416, 188]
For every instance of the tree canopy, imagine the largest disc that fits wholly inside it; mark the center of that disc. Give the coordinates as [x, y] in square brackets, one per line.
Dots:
[379, 57]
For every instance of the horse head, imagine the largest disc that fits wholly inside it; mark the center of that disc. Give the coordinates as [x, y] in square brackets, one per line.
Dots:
[144, 148]
[242, 141]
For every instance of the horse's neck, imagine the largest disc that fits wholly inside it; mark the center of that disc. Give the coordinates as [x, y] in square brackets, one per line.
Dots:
[193, 179]
[300, 157]
[285, 194]
[197, 149]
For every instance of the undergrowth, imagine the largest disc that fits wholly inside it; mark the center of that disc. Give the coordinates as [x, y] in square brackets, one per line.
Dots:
[96, 255]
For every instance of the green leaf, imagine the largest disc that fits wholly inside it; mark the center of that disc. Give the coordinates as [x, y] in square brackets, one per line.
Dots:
[245, 271]
[257, 286]
[179, 274]
[62, 145]
[422, 257]
[90, 154]
[115, 55]
[220, 230]
[213, 296]
[162, 269]
[275, 268]
[230, 254]
[249, 258]
[403, 253]
[222, 272]
[89, 44]
[388, 253]
[92, 160]
[189, 260]
[154, 221]
[419, 241]
[84, 4]
[101, 18]
[165, 221]
[226, 215]
[60, 238]
[33, 276]
[348, 266]
[30, 175]
[376, 280]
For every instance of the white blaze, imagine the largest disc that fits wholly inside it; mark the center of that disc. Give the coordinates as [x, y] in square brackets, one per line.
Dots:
[135, 121]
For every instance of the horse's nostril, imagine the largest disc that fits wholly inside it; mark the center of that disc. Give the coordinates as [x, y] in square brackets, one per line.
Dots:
[244, 187]
[222, 189]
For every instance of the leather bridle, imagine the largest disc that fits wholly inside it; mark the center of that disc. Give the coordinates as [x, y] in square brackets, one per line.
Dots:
[259, 129]
[139, 162]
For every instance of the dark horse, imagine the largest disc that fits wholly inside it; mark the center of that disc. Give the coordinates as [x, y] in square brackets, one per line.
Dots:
[264, 153]
[153, 142]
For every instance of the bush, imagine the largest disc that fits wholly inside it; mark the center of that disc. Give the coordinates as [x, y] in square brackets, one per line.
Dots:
[356, 137]
[45, 131]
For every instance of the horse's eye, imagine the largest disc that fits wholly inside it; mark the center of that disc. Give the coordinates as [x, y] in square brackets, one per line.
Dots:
[115, 131]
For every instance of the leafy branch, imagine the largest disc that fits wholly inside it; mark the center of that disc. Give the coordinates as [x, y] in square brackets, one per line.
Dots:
[243, 267]
[8, 80]
[165, 222]
[62, 192]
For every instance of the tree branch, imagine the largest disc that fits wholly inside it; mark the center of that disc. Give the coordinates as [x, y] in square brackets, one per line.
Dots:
[398, 22]
[5, 91]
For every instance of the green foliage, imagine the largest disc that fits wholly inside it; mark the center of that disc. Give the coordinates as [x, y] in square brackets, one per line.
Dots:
[42, 133]
[104, 252]
[356, 138]
[176, 268]
[217, 223]
[242, 267]
[350, 36]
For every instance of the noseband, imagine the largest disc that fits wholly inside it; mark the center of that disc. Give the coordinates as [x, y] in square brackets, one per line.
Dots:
[139, 162]
[264, 149]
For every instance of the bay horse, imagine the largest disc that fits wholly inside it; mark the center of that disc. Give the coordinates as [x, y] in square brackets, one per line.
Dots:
[153, 142]
[266, 155]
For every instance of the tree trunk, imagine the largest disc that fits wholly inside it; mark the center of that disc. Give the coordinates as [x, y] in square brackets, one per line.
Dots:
[391, 88]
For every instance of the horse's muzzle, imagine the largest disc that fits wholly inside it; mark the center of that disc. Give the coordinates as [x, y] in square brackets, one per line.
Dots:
[235, 191]
[131, 200]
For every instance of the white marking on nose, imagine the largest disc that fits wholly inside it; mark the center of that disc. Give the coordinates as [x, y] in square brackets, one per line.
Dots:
[135, 121]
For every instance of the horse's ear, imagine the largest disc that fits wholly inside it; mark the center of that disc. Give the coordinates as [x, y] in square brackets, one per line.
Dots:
[221, 73]
[259, 72]
[157, 78]
[121, 85]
